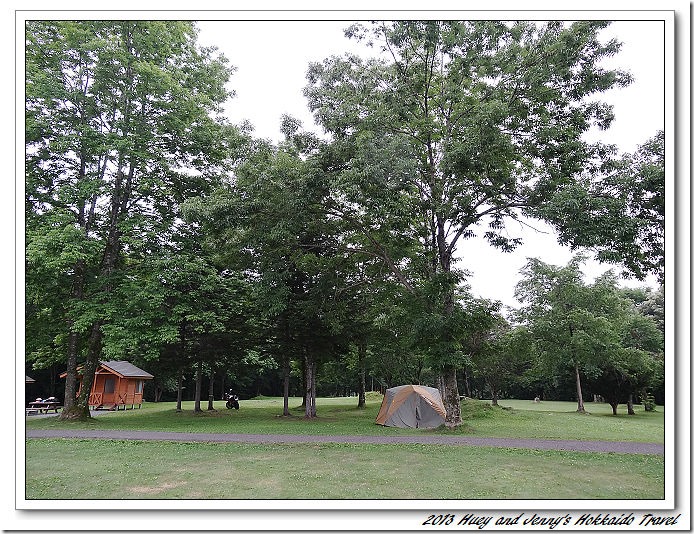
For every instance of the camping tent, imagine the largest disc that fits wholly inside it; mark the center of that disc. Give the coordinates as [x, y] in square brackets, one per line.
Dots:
[412, 407]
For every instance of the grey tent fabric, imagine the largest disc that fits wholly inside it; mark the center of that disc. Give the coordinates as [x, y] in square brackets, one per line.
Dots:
[412, 406]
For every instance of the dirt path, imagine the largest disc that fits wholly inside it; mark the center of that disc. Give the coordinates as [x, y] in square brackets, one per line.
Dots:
[542, 444]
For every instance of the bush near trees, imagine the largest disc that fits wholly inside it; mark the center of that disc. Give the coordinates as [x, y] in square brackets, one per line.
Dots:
[159, 233]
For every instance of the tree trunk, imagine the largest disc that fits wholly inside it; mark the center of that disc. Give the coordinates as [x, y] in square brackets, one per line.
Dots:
[450, 397]
[89, 368]
[450, 394]
[304, 387]
[466, 382]
[579, 394]
[630, 405]
[285, 384]
[179, 390]
[198, 386]
[440, 385]
[71, 378]
[179, 385]
[307, 388]
[314, 365]
[495, 396]
[310, 389]
[80, 408]
[648, 402]
[362, 374]
[614, 405]
[210, 393]
[77, 293]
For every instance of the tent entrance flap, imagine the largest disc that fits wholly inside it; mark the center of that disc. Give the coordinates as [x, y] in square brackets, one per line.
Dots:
[412, 406]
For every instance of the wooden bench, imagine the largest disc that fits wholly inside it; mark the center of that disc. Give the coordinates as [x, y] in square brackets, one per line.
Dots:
[42, 407]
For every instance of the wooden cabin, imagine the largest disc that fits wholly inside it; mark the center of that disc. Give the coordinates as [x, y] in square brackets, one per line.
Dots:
[117, 384]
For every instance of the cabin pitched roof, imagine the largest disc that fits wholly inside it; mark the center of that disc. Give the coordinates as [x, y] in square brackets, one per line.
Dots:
[126, 369]
[121, 368]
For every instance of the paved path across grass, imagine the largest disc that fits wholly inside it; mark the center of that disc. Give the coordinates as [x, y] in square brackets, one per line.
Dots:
[626, 447]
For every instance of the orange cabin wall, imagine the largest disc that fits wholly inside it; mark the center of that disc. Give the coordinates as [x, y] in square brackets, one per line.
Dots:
[123, 391]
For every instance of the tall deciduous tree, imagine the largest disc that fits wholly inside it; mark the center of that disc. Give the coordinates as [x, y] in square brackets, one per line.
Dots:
[122, 124]
[455, 128]
[564, 319]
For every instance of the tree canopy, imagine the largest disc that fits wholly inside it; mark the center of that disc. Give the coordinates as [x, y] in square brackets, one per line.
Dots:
[460, 126]
[619, 213]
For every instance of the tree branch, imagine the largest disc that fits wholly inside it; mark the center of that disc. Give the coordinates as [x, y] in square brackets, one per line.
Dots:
[380, 251]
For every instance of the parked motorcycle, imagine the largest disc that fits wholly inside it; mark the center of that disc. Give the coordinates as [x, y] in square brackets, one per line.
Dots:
[232, 400]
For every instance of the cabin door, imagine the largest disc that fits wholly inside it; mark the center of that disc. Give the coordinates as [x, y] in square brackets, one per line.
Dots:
[109, 389]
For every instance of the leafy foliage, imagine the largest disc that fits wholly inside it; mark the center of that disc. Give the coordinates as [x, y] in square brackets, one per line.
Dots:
[592, 329]
[123, 123]
[456, 127]
[620, 212]
[158, 232]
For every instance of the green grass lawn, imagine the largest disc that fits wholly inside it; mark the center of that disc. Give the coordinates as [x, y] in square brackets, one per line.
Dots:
[166, 470]
[559, 420]
[515, 418]
[56, 468]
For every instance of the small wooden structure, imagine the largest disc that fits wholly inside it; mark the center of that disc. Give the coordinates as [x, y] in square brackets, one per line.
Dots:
[43, 406]
[117, 384]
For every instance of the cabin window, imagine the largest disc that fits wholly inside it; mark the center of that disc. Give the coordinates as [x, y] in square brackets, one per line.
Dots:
[109, 385]
[138, 386]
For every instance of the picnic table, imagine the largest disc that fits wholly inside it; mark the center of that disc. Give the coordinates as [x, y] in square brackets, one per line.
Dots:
[42, 407]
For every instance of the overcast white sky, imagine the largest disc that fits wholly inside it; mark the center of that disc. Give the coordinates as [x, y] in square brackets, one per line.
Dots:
[272, 57]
